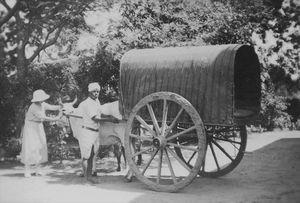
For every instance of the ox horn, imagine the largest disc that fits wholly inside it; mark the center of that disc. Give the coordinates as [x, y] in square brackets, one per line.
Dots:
[74, 101]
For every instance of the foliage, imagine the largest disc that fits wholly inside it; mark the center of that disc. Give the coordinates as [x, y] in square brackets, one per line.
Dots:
[102, 68]
[60, 144]
[56, 79]
[29, 27]
[6, 109]
[278, 47]
[278, 50]
[273, 113]
[147, 24]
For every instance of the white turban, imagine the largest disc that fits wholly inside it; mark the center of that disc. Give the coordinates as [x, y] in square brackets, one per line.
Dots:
[93, 86]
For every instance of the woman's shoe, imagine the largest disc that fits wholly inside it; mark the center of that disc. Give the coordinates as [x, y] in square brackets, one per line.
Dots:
[39, 173]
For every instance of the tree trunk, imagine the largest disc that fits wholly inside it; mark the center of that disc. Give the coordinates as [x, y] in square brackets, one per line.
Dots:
[21, 90]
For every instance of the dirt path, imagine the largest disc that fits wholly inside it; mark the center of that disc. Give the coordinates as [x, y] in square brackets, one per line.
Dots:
[269, 172]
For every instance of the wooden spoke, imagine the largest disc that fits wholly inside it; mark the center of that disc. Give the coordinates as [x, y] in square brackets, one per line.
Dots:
[194, 153]
[178, 159]
[150, 160]
[227, 140]
[214, 154]
[153, 114]
[159, 166]
[139, 137]
[141, 152]
[182, 146]
[223, 150]
[145, 125]
[170, 167]
[174, 122]
[154, 120]
[181, 133]
[164, 118]
[231, 141]
[203, 165]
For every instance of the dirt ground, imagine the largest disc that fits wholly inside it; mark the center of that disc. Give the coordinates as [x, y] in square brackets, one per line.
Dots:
[269, 172]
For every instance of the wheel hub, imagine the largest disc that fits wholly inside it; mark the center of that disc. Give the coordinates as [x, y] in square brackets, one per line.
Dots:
[159, 142]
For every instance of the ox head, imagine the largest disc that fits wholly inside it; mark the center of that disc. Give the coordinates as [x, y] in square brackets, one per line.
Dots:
[67, 109]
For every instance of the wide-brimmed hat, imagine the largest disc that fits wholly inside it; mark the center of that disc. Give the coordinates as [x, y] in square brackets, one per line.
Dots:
[93, 86]
[39, 95]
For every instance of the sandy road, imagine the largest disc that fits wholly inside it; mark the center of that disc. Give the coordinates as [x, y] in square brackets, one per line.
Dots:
[269, 172]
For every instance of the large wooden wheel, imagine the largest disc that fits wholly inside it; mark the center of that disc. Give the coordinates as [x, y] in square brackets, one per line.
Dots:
[225, 149]
[156, 115]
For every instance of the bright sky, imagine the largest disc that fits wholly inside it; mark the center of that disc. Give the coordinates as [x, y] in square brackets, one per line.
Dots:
[100, 21]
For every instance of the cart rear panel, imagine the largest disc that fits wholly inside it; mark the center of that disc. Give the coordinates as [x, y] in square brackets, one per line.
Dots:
[222, 82]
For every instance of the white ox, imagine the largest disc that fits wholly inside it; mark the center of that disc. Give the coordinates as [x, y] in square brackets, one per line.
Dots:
[111, 134]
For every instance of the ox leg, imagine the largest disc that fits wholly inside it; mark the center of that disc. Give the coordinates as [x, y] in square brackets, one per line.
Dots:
[129, 176]
[124, 157]
[118, 151]
[139, 159]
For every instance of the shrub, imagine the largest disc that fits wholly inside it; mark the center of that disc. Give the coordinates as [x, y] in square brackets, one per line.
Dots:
[273, 113]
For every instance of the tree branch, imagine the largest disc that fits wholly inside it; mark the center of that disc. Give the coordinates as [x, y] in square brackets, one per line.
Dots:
[10, 12]
[46, 44]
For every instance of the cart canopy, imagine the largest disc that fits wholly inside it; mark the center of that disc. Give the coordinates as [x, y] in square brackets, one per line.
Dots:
[221, 81]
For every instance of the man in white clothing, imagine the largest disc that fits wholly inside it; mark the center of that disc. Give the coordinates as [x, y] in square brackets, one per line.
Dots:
[89, 137]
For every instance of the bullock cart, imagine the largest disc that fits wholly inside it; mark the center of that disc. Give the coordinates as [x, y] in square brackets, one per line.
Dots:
[186, 110]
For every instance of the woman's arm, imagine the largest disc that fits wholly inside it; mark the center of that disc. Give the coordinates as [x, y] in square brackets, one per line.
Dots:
[51, 107]
[41, 115]
[47, 118]
[104, 117]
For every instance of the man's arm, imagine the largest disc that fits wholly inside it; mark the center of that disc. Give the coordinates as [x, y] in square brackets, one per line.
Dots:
[106, 118]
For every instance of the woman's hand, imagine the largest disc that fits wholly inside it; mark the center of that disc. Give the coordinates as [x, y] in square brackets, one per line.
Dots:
[60, 114]
[61, 105]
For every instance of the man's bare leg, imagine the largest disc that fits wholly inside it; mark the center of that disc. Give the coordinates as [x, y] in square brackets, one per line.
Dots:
[84, 167]
[94, 168]
[89, 167]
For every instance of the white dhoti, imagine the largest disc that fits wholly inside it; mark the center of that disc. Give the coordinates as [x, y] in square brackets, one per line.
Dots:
[87, 139]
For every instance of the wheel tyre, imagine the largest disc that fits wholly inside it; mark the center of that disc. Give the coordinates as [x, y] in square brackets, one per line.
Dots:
[200, 149]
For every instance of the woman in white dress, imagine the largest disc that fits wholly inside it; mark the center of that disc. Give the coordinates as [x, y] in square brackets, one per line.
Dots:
[34, 144]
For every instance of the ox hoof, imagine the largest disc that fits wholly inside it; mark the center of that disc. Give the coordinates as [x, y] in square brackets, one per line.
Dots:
[91, 181]
[128, 179]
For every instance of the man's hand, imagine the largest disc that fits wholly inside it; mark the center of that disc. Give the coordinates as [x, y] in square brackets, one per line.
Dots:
[115, 120]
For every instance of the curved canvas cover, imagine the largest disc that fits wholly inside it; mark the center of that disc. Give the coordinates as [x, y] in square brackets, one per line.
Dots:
[221, 81]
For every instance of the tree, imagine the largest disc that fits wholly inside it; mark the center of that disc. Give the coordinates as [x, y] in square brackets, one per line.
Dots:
[102, 68]
[29, 27]
[147, 24]
[277, 45]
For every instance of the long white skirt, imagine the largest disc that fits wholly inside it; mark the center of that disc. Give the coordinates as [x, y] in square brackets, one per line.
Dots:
[34, 143]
